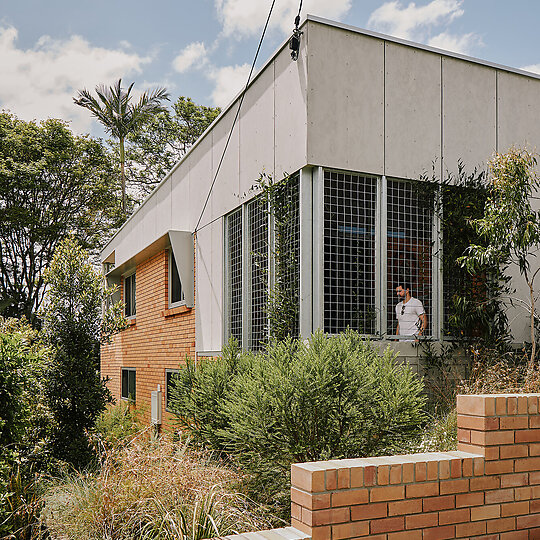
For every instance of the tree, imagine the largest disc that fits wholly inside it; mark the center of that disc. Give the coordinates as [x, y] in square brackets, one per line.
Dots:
[510, 226]
[163, 140]
[119, 116]
[51, 184]
[73, 326]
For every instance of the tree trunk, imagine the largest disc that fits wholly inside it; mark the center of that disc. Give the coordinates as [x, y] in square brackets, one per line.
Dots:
[123, 174]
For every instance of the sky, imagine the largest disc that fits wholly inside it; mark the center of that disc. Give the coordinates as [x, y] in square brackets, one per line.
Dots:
[203, 49]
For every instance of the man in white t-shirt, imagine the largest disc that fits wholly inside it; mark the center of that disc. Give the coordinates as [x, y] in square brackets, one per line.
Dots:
[410, 313]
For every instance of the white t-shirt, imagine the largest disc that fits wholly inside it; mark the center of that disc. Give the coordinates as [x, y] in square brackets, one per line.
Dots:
[409, 322]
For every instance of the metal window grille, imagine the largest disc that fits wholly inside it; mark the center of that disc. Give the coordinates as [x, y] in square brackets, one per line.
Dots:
[409, 246]
[286, 250]
[257, 216]
[234, 275]
[349, 252]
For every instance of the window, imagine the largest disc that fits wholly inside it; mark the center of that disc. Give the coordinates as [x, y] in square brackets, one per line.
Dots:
[129, 296]
[176, 294]
[349, 252]
[248, 271]
[409, 249]
[128, 384]
[169, 383]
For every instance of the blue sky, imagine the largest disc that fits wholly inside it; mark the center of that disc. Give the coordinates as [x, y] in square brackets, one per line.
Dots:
[203, 48]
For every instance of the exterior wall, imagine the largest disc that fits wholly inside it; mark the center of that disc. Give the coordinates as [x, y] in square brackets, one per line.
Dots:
[158, 339]
[490, 486]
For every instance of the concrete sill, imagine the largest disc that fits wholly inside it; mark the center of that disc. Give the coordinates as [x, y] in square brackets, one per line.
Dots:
[175, 311]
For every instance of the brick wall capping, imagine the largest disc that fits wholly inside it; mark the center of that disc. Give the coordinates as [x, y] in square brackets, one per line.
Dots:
[384, 460]
[498, 404]
[285, 533]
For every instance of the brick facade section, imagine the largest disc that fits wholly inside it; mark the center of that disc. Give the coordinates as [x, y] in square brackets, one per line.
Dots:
[488, 489]
[158, 338]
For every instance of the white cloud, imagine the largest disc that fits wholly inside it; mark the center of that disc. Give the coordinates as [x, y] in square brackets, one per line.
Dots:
[194, 53]
[534, 68]
[40, 82]
[229, 81]
[463, 44]
[246, 18]
[406, 22]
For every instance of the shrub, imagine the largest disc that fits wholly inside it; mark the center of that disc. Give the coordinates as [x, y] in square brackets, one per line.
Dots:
[151, 490]
[333, 397]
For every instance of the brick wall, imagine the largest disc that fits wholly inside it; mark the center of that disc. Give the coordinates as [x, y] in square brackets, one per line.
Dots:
[489, 488]
[158, 338]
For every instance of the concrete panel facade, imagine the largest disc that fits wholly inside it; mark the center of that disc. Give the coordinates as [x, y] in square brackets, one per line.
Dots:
[345, 100]
[469, 114]
[412, 111]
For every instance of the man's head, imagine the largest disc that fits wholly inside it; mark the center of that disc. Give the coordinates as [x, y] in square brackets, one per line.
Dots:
[402, 288]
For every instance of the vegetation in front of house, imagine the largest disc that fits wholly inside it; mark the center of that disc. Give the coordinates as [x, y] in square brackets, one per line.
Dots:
[331, 397]
[148, 488]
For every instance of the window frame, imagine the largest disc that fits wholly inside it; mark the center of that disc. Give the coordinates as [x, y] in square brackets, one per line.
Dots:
[182, 301]
[126, 276]
[169, 371]
[128, 397]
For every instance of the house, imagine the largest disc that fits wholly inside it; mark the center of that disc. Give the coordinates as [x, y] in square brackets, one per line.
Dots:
[354, 123]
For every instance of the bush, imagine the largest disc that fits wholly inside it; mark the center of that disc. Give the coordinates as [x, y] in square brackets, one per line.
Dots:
[151, 490]
[333, 397]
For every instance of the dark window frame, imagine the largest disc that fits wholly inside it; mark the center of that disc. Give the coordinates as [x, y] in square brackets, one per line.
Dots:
[130, 383]
[130, 295]
[168, 373]
[173, 272]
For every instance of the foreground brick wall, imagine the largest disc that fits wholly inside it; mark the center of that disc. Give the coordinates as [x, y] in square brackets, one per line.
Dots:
[489, 489]
[159, 338]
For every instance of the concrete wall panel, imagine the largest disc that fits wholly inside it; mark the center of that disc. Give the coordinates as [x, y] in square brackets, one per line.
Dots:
[413, 111]
[256, 151]
[181, 211]
[519, 111]
[200, 178]
[225, 192]
[290, 95]
[345, 100]
[469, 114]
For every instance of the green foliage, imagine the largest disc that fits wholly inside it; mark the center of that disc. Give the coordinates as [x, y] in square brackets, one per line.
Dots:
[73, 326]
[333, 397]
[283, 302]
[52, 183]
[441, 435]
[160, 143]
[117, 426]
[510, 227]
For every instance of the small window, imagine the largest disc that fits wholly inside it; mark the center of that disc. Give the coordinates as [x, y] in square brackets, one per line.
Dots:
[128, 384]
[129, 296]
[176, 294]
[169, 378]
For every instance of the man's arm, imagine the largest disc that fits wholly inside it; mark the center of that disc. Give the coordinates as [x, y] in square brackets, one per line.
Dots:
[397, 329]
[423, 323]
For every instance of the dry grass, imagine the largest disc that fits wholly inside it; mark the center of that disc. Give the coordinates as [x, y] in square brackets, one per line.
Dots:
[152, 489]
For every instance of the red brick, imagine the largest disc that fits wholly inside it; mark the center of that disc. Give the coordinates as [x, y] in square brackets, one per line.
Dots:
[527, 435]
[454, 486]
[369, 511]
[383, 475]
[357, 477]
[479, 423]
[526, 522]
[419, 521]
[387, 493]
[514, 422]
[350, 497]
[307, 479]
[395, 474]
[444, 470]
[370, 475]
[317, 518]
[528, 464]
[405, 535]
[387, 525]
[421, 472]
[440, 533]
[331, 479]
[310, 501]
[499, 495]
[485, 512]
[349, 530]
[422, 490]
[501, 525]
[499, 467]
[413, 506]
[467, 529]
[454, 516]
[408, 473]
[469, 499]
[515, 508]
[513, 451]
[433, 504]
[476, 405]
[484, 482]
[343, 478]
[514, 480]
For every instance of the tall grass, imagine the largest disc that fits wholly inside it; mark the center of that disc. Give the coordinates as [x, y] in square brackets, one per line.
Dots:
[151, 488]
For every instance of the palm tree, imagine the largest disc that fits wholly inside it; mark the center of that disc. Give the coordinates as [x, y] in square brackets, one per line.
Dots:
[119, 116]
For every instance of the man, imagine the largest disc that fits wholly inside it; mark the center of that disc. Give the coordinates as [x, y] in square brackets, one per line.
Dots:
[410, 313]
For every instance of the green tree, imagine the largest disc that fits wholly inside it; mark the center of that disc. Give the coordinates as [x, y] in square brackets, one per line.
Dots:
[73, 325]
[114, 108]
[52, 183]
[154, 149]
[510, 226]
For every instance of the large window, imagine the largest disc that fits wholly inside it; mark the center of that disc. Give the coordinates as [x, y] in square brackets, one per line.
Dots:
[176, 294]
[128, 384]
[349, 252]
[130, 296]
[262, 251]
[409, 246]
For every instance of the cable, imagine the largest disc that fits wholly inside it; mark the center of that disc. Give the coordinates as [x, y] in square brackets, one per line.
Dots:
[236, 116]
